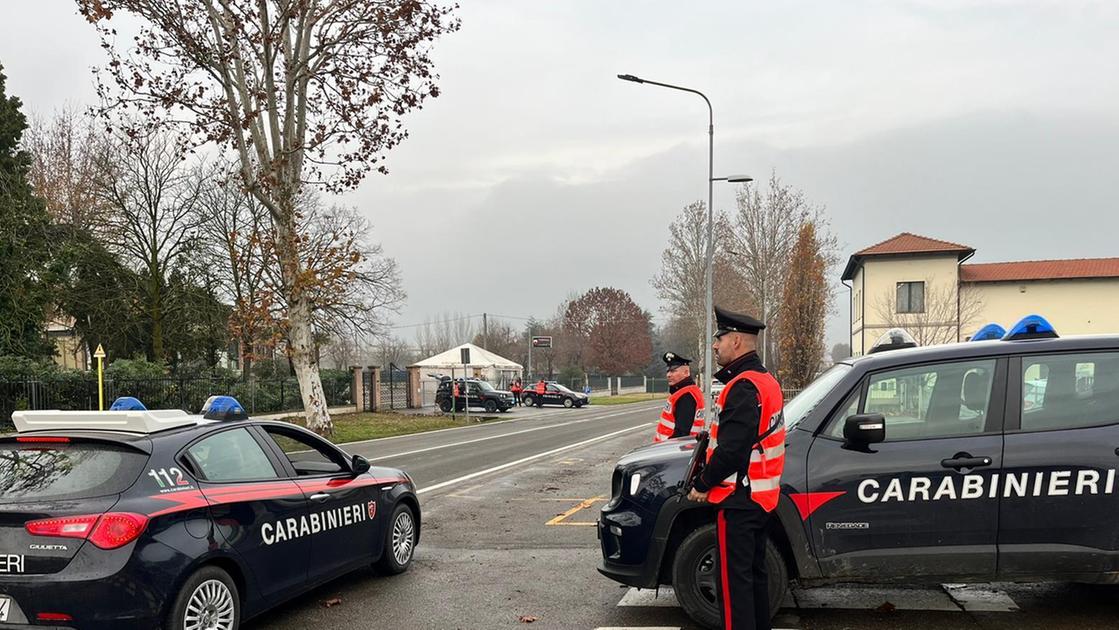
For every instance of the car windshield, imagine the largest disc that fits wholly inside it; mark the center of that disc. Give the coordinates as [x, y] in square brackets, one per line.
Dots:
[803, 403]
[486, 387]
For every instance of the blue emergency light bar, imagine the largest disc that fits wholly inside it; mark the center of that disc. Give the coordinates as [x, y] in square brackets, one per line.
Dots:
[127, 403]
[1031, 327]
[989, 332]
[223, 408]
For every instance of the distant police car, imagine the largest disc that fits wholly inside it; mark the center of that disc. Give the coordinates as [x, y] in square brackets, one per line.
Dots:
[968, 462]
[554, 394]
[157, 519]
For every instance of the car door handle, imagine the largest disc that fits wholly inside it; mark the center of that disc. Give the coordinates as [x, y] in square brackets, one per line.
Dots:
[320, 497]
[965, 461]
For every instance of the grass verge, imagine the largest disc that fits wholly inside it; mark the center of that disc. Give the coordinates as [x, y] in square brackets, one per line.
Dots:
[624, 399]
[354, 427]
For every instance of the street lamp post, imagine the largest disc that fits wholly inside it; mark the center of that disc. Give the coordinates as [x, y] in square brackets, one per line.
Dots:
[710, 253]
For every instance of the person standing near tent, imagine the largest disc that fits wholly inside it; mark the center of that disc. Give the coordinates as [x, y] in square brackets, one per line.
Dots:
[517, 389]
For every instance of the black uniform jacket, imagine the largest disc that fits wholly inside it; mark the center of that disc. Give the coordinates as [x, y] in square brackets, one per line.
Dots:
[685, 409]
[738, 433]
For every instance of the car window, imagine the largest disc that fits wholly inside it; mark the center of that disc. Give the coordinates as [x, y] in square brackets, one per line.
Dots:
[1070, 390]
[231, 456]
[849, 408]
[57, 471]
[941, 400]
[308, 456]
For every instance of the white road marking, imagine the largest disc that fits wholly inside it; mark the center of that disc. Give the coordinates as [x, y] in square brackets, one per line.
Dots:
[980, 598]
[502, 435]
[639, 628]
[860, 597]
[947, 598]
[664, 598]
[458, 480]
[548, 414]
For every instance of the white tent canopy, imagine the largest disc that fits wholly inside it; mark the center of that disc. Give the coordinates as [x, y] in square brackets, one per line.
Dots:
[489, 366]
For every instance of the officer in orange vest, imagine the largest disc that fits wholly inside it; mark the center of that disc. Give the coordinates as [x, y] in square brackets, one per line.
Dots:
[743, 473]
[683, 411]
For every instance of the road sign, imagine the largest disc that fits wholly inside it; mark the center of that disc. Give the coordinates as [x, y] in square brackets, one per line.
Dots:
[542, 342]
[99, 354]
[465, 356]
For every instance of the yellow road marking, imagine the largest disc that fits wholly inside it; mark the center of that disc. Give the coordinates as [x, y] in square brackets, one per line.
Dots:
[562, 518]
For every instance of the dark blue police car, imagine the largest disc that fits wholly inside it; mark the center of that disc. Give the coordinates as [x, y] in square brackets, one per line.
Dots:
[158, 519]
[970, 462]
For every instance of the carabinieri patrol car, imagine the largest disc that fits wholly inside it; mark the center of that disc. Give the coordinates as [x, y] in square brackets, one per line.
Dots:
[158, 519]
[970, 462]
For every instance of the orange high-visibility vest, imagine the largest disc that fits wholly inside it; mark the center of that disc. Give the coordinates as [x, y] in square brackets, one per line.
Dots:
[540, 388]
[667, 425]
[767, 458]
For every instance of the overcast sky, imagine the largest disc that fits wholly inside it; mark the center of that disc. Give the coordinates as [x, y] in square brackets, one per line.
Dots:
[538, 173]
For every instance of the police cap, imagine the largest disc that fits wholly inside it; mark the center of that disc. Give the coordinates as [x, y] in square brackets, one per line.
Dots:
[728, 321]
[673, 360]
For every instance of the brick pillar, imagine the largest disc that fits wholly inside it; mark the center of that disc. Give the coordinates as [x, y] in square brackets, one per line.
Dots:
[415, 401]
[375, 383]
[358, 389]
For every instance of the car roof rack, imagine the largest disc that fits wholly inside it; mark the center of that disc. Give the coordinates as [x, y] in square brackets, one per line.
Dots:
[146, 421]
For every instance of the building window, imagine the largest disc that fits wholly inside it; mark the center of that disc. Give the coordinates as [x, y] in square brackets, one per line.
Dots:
[911, 297]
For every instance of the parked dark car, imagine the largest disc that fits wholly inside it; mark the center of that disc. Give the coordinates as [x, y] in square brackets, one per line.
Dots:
[121, 520]
[554, 394]
[478, 393]
[971, 462]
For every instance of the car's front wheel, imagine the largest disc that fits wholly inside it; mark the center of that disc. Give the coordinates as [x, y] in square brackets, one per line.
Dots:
[567, 402]
[207, 601]
[400, 541]
[491, 406]
[530, 400]
[695, 576]
[445, 406]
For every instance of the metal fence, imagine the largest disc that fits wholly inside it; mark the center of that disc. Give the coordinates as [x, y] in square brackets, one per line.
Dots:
[259, 396]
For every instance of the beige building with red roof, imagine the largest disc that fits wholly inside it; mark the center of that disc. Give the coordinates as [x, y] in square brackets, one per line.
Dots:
[927, 286]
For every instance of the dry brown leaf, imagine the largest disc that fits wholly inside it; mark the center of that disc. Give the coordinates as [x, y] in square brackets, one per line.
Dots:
[527, 618]
[333, 601]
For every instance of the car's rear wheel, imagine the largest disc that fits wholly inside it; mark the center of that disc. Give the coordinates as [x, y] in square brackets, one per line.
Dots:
[445, 406]
[695, 576]
[567, 402]
[400, 541]
[491, 406]
[207, 601]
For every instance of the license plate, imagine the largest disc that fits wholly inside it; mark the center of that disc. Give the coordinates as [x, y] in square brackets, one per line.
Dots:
[5, 606]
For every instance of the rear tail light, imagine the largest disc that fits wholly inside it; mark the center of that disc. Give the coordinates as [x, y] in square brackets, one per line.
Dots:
[51, 616]
[107, 531]
[44, 439]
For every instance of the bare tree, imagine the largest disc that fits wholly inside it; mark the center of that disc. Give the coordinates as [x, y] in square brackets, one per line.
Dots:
[307, 92]
[937, 322]
[392, 350]
[153, 221]
[66, 150]
[444, 332]
[681, 285]
[238, 240]
[766, 229]
[351, 285]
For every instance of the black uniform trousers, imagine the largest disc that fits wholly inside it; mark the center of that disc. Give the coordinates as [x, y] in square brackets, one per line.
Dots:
[743, 586]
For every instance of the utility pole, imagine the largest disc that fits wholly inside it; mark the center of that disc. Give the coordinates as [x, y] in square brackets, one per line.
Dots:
[485, 332]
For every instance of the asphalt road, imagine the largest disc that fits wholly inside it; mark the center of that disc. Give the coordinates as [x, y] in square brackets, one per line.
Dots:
[509, 541]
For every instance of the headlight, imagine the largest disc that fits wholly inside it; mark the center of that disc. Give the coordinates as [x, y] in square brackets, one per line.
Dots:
[634, 484]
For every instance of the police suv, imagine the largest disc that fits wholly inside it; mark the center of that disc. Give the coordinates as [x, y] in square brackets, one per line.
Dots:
[969, 462]
[158, 519]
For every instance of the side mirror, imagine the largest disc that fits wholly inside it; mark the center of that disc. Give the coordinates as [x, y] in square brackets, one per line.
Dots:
[359, 465]
[865, 428]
